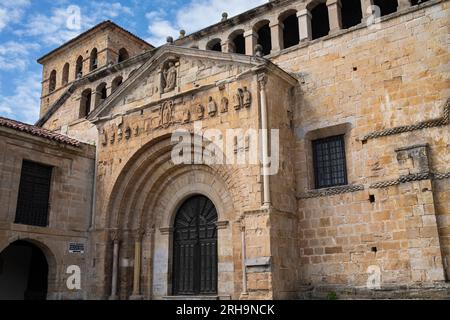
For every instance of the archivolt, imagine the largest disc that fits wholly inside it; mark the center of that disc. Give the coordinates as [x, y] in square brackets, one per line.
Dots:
[148, 172]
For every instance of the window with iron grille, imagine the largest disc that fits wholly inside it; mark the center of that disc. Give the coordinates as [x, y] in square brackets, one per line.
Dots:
[34, 194]
[329, 162]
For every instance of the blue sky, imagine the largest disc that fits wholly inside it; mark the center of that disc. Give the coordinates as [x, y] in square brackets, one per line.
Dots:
[31, 28]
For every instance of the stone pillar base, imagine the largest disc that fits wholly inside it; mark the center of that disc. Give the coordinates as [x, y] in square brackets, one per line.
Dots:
[115, 297]
[136, 297]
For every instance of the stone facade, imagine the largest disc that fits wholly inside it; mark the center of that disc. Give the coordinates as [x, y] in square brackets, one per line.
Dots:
[70, 198]
[383, 86]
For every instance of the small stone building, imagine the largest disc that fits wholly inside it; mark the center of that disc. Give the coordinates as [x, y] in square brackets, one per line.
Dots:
[343, 105]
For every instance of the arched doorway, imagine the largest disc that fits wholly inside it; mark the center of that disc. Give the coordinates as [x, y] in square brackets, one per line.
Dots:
[195, 248]
[23, 272]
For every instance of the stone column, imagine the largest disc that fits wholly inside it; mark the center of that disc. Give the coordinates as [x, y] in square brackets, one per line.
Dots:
[262, 80]
[244, 258]
[251, 40]
[403, 4]
[136, 295]
[276, 31]
[334, 15]
[227, 46]
[304, 25]
[115, 267]
[366, 8]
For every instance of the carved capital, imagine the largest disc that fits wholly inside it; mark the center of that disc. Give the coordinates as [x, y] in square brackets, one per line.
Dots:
[139, 234]
[115, 235]
[262, 81]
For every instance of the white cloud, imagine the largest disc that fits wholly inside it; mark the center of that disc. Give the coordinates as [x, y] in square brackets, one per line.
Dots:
[15, 55]
[24, 103]
[11, 11]
[159, 28]
[54, 29]
[194, 16]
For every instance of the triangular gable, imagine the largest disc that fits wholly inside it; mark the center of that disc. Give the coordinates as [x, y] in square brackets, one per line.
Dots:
[169, 52]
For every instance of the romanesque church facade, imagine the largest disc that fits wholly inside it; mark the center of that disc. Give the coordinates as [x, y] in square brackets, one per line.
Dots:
[350, 195]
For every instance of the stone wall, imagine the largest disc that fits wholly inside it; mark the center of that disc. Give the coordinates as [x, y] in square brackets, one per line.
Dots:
[70, 209]
[356, 83]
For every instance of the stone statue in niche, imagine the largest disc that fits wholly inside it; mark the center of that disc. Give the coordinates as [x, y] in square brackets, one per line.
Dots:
[119, 133]
[200, 112]
[224, 105]
[238, 100]
[136, 130]
[104, 137]
[169, 77]
[247, 98]
[166, 114]
[186, 116]
[112, 138]
[212, 107]
[128, 133]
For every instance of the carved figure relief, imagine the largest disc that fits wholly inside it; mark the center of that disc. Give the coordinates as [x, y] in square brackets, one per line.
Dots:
[128, 133]
[136, 130]
[166, 114]
[247, 98]
[224, 105]
[112, 138]
[186, 116]
[104, 137]
[212, 107]
[238, 100]
[169, 77]
[119, 133]
[200, 112]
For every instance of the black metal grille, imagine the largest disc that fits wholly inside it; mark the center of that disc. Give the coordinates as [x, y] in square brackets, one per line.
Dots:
[329, 162]
[34, 194]
[195, 248]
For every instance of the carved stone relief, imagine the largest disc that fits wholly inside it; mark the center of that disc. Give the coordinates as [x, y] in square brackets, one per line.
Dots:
[224, 105]
[166, 114]
[212, 107]
[169, 76]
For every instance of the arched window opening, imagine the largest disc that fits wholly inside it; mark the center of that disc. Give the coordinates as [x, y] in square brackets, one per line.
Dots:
[79, 68]
[85, 103]
[116, 83]
[100, 94]
[195, 248]
[65, 76]
[265, 38]
[52, 82]
[351, 13]
[320, 24]
[214, 45]
[238, 43]
[24, 272]
[416, 2]
[386, 6]
[123, 55]
[94, 60]
[291, 34]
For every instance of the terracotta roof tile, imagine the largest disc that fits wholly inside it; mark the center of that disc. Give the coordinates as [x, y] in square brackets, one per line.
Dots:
[39, 132]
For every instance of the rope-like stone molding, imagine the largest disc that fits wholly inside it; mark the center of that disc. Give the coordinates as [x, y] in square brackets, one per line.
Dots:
[410, 178]
[439, 122]
[330, 191]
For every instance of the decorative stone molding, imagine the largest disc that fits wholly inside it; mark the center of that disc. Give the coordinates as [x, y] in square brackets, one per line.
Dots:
[166, 231]
[410, 178]
[439, 122]
[222, 224]
[330, 191]
[260, 264]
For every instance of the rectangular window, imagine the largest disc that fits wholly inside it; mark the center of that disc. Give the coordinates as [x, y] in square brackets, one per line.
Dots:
[329, 162]
[34, 194]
